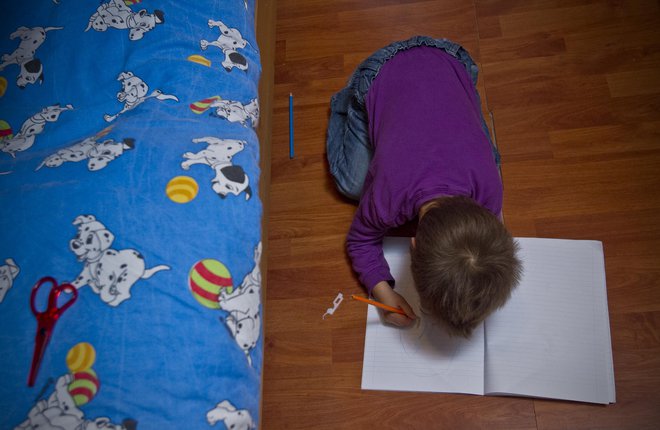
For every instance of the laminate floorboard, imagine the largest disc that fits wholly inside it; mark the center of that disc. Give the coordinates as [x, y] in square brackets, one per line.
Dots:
[574, 88]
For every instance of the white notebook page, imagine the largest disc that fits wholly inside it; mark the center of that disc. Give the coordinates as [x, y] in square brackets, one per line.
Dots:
[422, 358]
[552, 338]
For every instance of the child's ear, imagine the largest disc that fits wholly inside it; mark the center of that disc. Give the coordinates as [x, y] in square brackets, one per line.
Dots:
[412, 241]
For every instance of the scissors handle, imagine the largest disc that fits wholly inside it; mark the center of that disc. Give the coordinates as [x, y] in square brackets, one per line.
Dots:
[53, 310]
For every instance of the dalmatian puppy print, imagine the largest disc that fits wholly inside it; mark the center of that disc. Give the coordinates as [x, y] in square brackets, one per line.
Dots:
[30, 68]
[8, 273]
[242, 305]
[32, 127]
[116, 14]
[218, 151]
[232, 418]
[133, 93]
[229, 178]
[234, 111]
[108, 272]
[59, 412]
[97, 154]
[229, 41]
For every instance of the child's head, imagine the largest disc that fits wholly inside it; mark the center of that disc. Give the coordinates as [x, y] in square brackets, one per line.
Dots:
[463, 262]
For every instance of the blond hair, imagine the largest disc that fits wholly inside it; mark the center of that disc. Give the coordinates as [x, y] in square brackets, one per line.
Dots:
[463, 262]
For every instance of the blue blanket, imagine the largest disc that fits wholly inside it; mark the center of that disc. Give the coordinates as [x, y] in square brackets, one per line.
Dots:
[129, 169]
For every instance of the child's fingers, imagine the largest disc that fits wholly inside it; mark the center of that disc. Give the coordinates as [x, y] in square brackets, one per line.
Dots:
[408, 310]
[398, 319]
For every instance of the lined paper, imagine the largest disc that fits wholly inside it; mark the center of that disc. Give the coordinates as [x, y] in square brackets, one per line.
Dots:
[551, 339]
[421, 358]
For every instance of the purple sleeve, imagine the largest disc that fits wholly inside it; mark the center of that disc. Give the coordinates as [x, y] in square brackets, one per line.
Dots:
[365, 247]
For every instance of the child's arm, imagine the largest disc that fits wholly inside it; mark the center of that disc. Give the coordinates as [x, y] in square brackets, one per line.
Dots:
[386, 295]
[364, 245]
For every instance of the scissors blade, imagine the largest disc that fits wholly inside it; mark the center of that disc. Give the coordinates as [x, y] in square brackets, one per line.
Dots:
[41, 340]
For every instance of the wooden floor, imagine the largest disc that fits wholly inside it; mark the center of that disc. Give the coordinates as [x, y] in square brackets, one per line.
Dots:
[574, 86]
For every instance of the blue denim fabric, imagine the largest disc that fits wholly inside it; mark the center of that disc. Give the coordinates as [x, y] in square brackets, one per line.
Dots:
[348, 147]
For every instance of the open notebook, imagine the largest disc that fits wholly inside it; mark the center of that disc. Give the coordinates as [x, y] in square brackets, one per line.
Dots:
[551, 339]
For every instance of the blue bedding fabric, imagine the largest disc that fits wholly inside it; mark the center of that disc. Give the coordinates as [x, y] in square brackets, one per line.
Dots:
[129, 168]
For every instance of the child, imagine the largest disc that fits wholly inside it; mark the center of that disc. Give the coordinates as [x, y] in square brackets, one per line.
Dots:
[407, 139]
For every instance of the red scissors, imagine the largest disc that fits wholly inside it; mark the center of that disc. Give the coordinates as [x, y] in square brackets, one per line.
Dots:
[46, 320]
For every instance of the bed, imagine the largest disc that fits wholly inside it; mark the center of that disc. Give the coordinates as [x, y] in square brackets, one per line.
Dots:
[130, 170]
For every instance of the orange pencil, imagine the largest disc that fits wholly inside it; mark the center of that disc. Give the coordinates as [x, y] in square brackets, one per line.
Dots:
[378, 304]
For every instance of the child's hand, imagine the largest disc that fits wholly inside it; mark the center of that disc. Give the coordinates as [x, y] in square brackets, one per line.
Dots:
[387, 296]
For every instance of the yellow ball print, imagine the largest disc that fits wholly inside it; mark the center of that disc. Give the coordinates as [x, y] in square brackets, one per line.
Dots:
[80, 357]
[182, 189]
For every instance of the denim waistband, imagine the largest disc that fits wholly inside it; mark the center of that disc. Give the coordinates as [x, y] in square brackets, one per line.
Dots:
[368, 70]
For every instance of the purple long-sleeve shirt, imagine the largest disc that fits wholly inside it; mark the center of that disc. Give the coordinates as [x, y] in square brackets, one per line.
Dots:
[425, 126]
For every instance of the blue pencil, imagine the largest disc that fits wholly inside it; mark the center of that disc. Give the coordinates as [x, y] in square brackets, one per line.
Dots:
[290, 125]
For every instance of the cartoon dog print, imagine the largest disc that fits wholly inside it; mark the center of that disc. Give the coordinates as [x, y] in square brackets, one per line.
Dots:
[133, 93]
[110, 273]
[33, 126]
[115, 14]
[8, 273]
[98, 155]
[229, 42]
[231, 417]
[218, 151]
[31, 69]
[104, 423]
[229, 178]
[244, 318]
[59, 412]
[234, 111]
